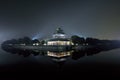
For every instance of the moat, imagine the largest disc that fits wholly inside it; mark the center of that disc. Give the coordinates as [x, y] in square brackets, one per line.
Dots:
[61, 55]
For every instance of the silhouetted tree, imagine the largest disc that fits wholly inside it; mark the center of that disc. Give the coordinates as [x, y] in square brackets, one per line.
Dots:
[35, 41]
[27, 40]
[93, 41]
[42, 42]
[77, 40]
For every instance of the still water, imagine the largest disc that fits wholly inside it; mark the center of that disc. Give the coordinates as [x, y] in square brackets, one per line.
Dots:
[82, 62]
[111, 57]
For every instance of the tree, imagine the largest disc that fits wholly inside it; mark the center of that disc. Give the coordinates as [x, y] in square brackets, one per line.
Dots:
[77, 40]
[25, 40]
[93, 41]
[42, 42]
[35, 41]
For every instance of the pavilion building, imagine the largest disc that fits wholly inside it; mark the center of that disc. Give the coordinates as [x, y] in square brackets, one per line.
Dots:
[59, 38]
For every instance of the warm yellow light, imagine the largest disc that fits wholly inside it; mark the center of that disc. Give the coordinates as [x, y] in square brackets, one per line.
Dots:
[61, 54]
[59, 43]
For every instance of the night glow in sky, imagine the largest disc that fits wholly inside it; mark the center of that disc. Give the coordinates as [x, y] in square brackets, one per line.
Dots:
[89, 18]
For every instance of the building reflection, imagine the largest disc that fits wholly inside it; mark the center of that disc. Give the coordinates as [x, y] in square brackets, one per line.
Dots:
[59, 54]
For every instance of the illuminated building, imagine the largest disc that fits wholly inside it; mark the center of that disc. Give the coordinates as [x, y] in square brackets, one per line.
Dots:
[59, 38]
[59, 56]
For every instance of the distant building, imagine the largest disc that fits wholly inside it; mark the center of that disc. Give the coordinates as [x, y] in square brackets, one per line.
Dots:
[59, 38]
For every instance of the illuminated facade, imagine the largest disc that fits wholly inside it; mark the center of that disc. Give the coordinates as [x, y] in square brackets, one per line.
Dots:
[59, 54]
[59, 38]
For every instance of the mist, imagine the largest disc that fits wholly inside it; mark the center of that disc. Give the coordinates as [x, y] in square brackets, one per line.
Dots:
[40, 18]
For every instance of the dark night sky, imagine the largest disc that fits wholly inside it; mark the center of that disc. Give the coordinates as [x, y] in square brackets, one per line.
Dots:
[40, 18]
[88, 18]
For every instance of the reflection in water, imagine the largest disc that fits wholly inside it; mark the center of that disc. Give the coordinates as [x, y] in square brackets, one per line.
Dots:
[60, 56]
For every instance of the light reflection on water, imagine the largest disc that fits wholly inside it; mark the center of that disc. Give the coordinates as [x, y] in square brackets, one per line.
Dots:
[72, 56]
[66, 62]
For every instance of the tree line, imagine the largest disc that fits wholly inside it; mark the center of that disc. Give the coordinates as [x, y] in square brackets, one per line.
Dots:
[75, 39]
[93, 41]
[24, 40]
